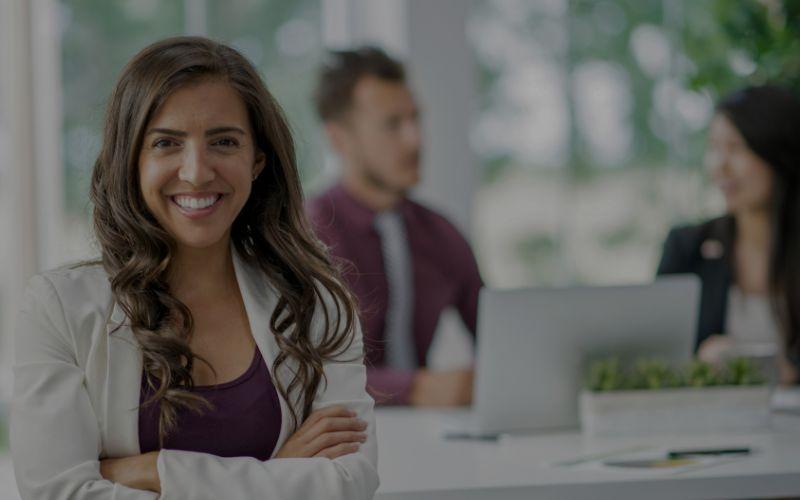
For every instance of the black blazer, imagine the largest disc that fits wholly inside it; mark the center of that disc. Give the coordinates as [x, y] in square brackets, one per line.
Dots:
[705, 250]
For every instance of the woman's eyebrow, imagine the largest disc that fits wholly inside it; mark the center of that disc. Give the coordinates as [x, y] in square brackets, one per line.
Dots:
[166, 131]
[223, 130]
[209, 132]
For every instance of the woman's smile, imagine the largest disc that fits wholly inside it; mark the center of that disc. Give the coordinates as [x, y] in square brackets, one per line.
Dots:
[197, 205]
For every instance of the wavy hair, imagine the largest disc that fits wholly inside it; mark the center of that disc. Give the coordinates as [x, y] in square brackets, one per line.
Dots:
[768, 117]
[271, 232]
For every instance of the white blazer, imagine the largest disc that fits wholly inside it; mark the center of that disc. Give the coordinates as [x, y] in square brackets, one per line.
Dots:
[77, 376]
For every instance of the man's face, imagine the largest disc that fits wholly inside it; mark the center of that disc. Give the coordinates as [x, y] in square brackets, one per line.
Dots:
[379, 137]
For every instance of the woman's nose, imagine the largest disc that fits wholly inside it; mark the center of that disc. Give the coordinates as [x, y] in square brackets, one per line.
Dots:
[715, 160]
[197, 168]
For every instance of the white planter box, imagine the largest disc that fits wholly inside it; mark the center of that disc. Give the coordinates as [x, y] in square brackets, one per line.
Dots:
[670, 411]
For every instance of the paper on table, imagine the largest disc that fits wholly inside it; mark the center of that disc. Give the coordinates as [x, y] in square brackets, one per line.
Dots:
[597, 457]
[786, 399]
[648, 462]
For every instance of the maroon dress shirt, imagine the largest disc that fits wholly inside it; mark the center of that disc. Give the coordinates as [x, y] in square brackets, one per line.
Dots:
[445, 274]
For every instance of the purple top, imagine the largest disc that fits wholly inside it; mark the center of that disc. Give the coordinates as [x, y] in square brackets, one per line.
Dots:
[245, 420]
[445, 275]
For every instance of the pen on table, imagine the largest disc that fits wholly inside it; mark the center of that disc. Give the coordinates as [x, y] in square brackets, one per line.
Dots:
[708, 452]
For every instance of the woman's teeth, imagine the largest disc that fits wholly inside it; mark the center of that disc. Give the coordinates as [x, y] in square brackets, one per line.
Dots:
[194, 203]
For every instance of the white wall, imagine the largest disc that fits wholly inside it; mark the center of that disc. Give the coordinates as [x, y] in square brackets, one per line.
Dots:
[31, 184]
[17, 204]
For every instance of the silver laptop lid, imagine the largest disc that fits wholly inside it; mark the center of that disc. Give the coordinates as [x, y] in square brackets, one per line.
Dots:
[533, 344]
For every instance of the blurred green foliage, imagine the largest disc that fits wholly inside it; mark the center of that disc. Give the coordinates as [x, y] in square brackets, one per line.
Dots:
[98, 37]
[610, 374]
[716, 46]
[606, 375]
[702, 374]
[670, 60]
[539, 252]
[653, 374]
[733, 43]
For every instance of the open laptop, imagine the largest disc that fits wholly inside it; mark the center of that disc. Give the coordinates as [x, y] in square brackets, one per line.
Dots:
[534, 346]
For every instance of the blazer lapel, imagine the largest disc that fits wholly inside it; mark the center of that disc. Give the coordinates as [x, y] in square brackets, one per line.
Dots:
[260, 299]
[716, 252]
[121, 429]
[120, 424]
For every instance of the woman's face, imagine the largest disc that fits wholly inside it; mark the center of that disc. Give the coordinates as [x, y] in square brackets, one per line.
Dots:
[744, 178]
[197, 163]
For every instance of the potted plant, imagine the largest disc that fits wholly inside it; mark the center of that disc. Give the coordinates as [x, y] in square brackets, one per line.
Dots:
[650, 396]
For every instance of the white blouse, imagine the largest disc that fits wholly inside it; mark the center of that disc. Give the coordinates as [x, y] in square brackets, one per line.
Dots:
[751, 324]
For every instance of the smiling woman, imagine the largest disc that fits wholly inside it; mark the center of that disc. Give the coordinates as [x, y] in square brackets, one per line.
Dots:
[198, 161]
[214, 339]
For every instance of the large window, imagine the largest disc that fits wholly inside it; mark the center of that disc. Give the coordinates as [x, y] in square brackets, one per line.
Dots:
[284, 39]
[589, 137]
[98, 37]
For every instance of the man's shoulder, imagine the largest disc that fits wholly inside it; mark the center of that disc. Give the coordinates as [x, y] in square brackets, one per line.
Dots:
[321, 210]
[321, 203]
[438, 231]
[431, 219]
[441, 240]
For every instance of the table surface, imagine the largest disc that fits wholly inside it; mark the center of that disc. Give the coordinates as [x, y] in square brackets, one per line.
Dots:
[416, 462]
[8, 487]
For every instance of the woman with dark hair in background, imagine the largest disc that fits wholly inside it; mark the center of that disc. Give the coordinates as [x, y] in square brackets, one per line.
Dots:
[213, 351]
[749, 259]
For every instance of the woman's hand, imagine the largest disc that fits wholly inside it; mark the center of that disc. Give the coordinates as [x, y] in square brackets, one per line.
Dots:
[138, 472]
[445, 388]
[715, 349]
[787, 372]
[331, 432]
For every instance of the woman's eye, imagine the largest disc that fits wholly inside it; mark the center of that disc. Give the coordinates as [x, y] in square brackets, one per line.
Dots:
[226, 142]
[393, 124]
[163, 143]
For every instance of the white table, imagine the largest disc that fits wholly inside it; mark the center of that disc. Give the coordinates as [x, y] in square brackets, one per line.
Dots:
[416, 463]
[8, 487]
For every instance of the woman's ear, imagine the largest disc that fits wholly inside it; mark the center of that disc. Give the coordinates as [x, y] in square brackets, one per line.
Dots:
[260, 163]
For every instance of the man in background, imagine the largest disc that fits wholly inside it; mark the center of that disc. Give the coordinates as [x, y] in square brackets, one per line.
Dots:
[405, 263]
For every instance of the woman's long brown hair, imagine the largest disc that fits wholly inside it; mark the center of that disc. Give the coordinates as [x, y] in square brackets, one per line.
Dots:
[768, 117]
[271, 233]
